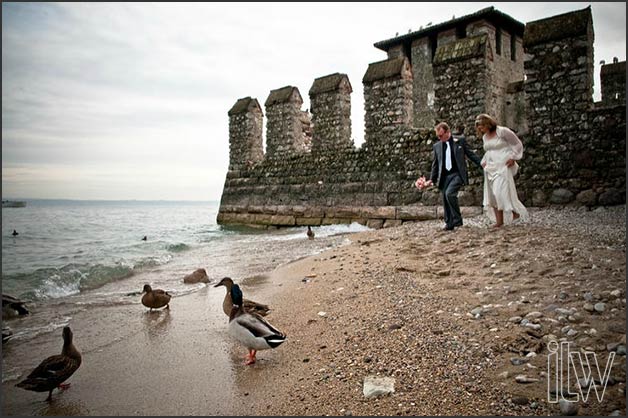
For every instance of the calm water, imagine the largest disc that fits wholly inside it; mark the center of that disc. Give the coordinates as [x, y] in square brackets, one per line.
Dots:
[73, 255]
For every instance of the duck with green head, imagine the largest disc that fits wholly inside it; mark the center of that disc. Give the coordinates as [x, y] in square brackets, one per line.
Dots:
[250, 329]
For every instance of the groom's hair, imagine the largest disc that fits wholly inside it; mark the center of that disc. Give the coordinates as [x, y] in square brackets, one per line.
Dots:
[442, 125]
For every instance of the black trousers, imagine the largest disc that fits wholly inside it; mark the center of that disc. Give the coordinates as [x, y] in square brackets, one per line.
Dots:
[451, 185]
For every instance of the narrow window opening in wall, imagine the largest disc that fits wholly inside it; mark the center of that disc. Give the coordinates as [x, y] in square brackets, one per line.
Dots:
[433, 44]
[513, 47]
[407, 51]
[616, 96]
[498, 41]
[461, 32]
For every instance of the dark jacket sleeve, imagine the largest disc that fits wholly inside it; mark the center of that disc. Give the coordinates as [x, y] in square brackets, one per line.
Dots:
[470, 154]
[434, 174]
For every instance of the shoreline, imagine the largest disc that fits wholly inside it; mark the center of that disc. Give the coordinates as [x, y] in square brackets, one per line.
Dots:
[397, 302]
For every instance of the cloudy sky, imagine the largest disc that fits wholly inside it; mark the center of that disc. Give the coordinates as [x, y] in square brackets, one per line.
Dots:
[130, 100]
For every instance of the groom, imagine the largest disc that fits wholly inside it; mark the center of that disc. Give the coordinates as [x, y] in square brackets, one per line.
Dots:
[449, 172]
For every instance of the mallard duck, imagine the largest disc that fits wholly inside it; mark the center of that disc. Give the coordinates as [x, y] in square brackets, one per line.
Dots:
[249, 305]
[250, 329]
[155, 298]
[12, 307]
[54, 370]
[310, 233]
[7, 333]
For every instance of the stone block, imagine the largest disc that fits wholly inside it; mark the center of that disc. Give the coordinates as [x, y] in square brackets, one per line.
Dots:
[308, 221]
[261, 219]
[335, 221]
[389, 223]
[343, 212]
[283, 220]
[416, 213]
[375, 223]
[314, 212]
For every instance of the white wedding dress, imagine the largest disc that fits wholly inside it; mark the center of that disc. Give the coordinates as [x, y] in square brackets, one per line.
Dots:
[499, 183]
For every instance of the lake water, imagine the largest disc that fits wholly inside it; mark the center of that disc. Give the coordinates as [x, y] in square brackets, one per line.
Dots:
[76, 255]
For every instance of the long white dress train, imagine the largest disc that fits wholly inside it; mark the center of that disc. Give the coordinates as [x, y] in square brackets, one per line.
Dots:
[499, 183]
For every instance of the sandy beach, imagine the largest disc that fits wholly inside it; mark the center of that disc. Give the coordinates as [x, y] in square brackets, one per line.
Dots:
[434, 310]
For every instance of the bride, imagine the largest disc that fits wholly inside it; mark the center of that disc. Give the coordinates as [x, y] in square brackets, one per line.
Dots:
[502, 149]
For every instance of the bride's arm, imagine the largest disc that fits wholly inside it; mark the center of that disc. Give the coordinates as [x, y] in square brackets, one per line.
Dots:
[514, 142]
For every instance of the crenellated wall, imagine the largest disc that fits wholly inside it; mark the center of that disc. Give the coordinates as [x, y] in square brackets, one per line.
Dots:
[284, 129]
[330, 100]
[574, 150]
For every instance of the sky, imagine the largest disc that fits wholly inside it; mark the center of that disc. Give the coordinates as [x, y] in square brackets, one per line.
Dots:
[129, 101]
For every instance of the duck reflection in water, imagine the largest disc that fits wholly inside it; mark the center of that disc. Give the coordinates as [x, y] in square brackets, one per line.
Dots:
[156, 323]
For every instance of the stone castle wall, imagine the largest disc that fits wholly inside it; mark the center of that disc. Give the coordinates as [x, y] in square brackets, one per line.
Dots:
[574, 151]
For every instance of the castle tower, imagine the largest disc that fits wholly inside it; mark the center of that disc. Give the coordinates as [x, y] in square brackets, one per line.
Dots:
[284, 126]
[245, 134]
[330, 102]
[613, 81]
[387, 99]
[559, 73]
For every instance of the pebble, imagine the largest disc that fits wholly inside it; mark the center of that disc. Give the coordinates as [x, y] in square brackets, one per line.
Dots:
[518, 361]
[535, 314]
[567, 407]
[588, 307]
[477, 311]
[621, 350]
[525, 379]
[563, 311]
[515, 319]
[533, 326]
[377, 386]
[600, 307]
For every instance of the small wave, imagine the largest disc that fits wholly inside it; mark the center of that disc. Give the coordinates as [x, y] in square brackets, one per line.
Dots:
[151, 262]
[32, 332]
[177, 248]
[52, 283]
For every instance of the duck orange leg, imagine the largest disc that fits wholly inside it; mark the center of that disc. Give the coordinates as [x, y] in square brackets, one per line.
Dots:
[250, 358]
[64, 386]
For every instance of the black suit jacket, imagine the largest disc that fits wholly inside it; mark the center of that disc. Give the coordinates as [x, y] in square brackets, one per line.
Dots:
[460, 149]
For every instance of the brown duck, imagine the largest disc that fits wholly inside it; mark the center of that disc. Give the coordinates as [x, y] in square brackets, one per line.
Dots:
[155, 298]
[54, 370]
[310, 233]
[249, 305]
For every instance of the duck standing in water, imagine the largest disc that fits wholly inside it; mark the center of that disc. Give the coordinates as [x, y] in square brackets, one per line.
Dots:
[249, 305]
[250, 329]
[12, 307]
[155, 298]
[54, 370]
[310, 233]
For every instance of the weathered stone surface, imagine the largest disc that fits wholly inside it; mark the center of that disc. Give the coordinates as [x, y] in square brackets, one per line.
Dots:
[389, 223]
[419, 213]
[574, 150]
[308, 221]
[561, 196]
[587, 198]
[283, 220]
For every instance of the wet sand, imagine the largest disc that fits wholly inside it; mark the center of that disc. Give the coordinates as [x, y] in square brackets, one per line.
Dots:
[167, 362]
[396, 302]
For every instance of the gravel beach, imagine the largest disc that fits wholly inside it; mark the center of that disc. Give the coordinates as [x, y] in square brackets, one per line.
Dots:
[457, 319]
[454, 320]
